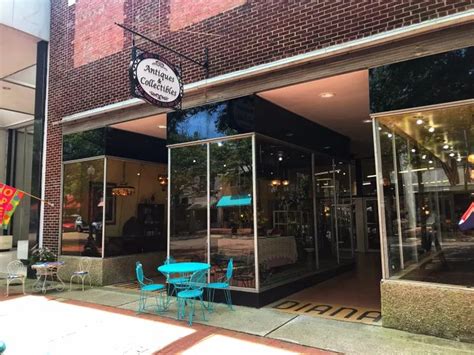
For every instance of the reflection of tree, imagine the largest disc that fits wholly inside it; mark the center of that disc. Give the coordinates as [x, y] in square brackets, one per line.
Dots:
[188, 171]
[438, 78]
[202, 122]
[84, 144]
[76, 183]
[231, 163]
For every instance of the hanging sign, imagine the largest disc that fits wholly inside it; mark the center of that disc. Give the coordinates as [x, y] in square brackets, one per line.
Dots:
[156, 80]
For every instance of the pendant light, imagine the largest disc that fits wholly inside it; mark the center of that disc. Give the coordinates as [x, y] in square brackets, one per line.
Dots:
[123, 189]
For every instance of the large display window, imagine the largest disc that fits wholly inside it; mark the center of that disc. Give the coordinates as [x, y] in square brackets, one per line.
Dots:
[426, 186]
[253, 199]
[113, 207]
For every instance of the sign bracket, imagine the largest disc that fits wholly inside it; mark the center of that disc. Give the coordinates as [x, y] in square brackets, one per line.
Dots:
[204, 64]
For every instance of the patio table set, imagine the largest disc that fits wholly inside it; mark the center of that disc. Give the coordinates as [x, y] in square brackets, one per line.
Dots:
[187, 281]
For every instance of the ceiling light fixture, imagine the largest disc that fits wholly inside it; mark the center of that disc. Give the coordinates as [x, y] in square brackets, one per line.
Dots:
[423, 156]
[327, 95]
[419, 121]
[390, 135]
[445, 146]
[367, 121]
[162, 126]
[431, 129]
[123, 189]
[413, 150]
[452, 154]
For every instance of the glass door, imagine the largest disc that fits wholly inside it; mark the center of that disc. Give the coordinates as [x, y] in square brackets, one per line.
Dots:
[327, 228]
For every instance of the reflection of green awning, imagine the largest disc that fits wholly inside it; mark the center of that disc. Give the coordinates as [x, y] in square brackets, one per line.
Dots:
[233, 201]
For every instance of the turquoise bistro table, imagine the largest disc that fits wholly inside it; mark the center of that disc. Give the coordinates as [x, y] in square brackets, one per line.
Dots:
[183, 268]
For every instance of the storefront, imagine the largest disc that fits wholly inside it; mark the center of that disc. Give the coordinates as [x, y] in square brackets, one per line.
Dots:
[241, 187]
[244, 174]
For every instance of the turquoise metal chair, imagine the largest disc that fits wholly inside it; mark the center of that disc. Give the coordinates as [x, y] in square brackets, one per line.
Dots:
[174, 283]
[223, 284]
[193, 292]
[149, 289]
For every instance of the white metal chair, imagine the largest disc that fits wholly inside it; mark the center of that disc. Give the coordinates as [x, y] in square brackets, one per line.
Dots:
[16, 272]
[82, 273]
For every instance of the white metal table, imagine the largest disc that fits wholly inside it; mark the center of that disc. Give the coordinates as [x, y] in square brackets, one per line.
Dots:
[48, 270]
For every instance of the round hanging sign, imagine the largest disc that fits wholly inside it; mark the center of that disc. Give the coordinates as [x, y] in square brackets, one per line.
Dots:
[156, 80]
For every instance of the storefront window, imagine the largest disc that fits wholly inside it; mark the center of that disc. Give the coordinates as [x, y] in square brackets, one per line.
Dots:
[135, 207]
[83, 194]
[231, 210]
[22, 159]
[428, 184]
[188, 203]
[285, 212]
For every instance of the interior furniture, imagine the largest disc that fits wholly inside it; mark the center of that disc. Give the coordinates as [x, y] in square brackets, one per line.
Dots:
[277, 251]
[82, 273]
[151, 216]
[149, 289]
[16, 273]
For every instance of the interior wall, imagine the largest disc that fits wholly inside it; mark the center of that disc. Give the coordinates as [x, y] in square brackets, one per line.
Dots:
[146, 185]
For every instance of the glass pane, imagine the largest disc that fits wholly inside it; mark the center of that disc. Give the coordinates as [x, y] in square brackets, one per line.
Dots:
[325, 211]
[232, 221]
[82, 210]
[390, 181]
[212, 121]
[372, 218]
[433, 79]
[285, 213]
[188, 210]
[84, 144]
[135, 216]
[22, 180]
[434, 156]
[344, 209]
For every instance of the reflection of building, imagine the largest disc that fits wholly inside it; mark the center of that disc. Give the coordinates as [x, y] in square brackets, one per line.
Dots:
[272, 162]
[24, 33]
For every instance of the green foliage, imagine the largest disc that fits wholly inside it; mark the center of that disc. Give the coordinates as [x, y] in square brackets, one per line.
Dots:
[42, 255]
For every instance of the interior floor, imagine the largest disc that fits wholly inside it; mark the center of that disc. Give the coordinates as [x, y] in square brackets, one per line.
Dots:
[351, 296]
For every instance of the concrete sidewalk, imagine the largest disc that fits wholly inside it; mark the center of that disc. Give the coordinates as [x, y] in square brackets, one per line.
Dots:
[332, 335]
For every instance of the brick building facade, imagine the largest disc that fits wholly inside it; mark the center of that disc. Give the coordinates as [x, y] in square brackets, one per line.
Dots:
[89, 54]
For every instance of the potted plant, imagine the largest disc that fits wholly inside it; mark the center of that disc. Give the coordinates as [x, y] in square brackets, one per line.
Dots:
[39, 255]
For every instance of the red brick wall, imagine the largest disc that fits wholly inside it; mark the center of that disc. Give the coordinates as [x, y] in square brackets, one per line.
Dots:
[95, 34]
[184, 13]
[256, 32]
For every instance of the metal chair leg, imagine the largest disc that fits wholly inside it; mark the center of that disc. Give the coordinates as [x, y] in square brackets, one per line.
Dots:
[228, 298]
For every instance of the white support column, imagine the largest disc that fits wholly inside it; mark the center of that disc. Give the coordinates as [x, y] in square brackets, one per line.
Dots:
[380, 200]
